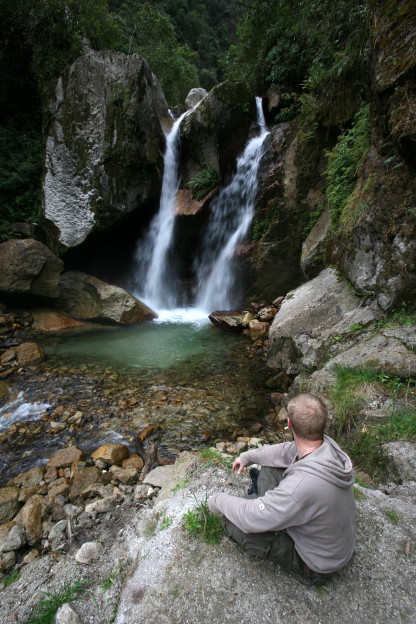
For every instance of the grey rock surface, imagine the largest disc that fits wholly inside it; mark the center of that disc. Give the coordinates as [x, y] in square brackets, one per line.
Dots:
[195, 96]
[29, 267]
[164, 576]
[66, 615]
[104, 144]
[86, 297]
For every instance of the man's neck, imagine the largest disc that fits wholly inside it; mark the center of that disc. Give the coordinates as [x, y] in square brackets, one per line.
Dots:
[305, 447]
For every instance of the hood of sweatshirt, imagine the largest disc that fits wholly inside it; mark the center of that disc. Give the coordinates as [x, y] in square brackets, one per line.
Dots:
[329, 462]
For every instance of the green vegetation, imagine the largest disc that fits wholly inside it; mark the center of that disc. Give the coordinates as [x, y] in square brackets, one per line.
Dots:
[204, 182]
[166, 522]
[358, 494]
[342, 173]
[212, 456]
[108, 581]
[45, 610]
[362, 441]
[10, 578]
[393, 515]
[201, 523]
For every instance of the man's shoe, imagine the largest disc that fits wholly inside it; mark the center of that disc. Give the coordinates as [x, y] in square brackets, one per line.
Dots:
[254, 473]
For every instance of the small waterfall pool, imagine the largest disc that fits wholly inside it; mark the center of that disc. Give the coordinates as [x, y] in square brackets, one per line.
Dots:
[173, 338]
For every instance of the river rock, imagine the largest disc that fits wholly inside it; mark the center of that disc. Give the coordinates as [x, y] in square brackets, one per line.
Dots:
[31, 556]
[50, 320]
[31, 515]
[86, 297]
[230, 320]
[9, 503]
[134, 461]
[28, 267]
[29, 478]
[111, 453]
[65, 457]
[258, 330]
[104, 146]
[127, 476]
[82, 479]
[4, 532]
[57, 529]
[89, 552]
[195, 96]
[24, 354]
[15, 540]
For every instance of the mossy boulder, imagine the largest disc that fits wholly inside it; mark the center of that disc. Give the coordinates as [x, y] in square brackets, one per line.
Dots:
[104, 147]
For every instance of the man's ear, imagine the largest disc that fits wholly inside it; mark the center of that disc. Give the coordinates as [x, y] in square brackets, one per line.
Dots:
[289, 424]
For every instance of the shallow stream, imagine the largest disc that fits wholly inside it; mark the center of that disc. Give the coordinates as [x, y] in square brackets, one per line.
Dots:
[191, 381]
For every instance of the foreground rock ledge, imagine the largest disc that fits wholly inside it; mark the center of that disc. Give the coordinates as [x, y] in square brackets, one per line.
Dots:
[161, 575]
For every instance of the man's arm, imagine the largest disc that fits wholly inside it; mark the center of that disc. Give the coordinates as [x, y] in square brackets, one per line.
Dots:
[274, 455]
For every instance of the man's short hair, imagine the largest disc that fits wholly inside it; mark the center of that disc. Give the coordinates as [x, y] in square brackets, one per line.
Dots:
[308, 416]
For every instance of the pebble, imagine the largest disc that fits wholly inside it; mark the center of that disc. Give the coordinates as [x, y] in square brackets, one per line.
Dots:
[66, 615]
[89, 551]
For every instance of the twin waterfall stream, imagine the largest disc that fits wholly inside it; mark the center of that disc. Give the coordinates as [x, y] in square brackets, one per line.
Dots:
[157, 282]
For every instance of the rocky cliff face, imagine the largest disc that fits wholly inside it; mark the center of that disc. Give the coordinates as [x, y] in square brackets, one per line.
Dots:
[378, 254]
[104, 145]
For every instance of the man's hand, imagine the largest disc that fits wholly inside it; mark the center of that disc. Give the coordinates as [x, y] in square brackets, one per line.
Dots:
[238, 466]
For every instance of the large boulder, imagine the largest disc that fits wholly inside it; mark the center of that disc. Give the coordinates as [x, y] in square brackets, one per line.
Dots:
[309, 319]
[215, 132]
[27, 267]
[104, 144]
[86, 297]
[195, 96]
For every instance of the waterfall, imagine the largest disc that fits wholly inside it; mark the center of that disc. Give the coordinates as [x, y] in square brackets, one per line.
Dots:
[154, 268]
[232, 213]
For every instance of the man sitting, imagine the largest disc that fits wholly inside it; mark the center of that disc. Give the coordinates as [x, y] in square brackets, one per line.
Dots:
[302, 514]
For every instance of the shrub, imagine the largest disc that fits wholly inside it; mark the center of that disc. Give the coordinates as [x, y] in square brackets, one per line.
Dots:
[201, 523]
[204, 182]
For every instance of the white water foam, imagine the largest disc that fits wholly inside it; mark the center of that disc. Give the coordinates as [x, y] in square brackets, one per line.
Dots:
[191, 316]
[19, 410]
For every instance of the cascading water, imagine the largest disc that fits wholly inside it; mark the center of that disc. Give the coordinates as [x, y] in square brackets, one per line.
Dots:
[154, 269]
[156, 278]
[232, 213]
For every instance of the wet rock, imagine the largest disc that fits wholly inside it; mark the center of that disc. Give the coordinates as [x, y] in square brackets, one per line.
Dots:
[9, 503]
[82, 479]
[258, 330]
[235, 448]
[29, 267]
[195, 96]
[66, 615]
[29, 478]
[24, 354]
[89, 552]
[86, 297]
[15, 539]
[313, 247]
[229, 320]
[65, 457]
[56, 427]
[111, 454]
[32, 520]
[133, 462]
[50, 320]
[144, 433]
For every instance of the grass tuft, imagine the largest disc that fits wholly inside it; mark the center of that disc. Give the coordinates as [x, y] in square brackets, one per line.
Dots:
[201, 523]
[45, 610]
[212, 457]
[11, 578]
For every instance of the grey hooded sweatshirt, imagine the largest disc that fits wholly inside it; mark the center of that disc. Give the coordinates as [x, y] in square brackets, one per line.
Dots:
[314, 503]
